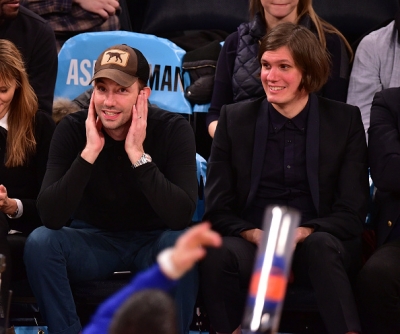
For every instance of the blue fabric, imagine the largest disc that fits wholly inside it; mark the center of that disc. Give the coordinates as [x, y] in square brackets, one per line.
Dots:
[201, 168]
[81, 252]
[30, 329]
[167, 81]
[152, 278]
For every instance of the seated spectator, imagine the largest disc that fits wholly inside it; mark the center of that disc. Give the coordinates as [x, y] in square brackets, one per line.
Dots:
[376, 66]
[378, 284]
[34, 38]
[142, 306]
[69, 18]
[237, 73]
[296, 149]
[25, 135]
[120, 187]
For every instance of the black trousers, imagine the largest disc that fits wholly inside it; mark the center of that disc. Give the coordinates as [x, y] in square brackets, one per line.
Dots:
[12, 247]
[378, 291]
[5, 250]
[321, 261]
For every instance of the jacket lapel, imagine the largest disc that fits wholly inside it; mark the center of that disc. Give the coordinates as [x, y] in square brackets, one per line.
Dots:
[312, 149]
[259, 148]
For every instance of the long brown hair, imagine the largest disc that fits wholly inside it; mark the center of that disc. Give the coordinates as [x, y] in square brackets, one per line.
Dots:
[21, 141]
[305, 8]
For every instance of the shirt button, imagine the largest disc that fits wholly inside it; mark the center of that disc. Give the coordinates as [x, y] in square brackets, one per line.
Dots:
[390, 223]
[119, 157]
[288, 167]
[289, 141]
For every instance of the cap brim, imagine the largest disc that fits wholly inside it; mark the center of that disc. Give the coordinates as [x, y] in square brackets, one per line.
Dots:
[119, 77]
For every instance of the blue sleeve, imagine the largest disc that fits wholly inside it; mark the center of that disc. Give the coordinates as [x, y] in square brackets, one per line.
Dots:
[152, 278]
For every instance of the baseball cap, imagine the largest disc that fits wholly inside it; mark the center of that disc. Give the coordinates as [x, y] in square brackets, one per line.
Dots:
[122, 64]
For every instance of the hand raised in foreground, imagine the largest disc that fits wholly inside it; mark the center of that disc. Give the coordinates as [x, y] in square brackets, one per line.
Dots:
[189, 248]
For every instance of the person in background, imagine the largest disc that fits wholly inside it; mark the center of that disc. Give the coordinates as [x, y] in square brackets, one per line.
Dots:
[120, 187]
[237, 74]
[69, 18]
[291, 148]
[35, 39]
[144, 306]
[378, 284]
[376, 66]
[25, 134]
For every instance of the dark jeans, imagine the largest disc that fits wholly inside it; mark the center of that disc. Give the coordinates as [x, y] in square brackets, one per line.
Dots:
[321, 261]
[56, 258]
[378, 291]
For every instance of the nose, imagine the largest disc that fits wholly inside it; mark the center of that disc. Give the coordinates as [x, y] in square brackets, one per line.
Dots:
[272, 74]
[109, 99]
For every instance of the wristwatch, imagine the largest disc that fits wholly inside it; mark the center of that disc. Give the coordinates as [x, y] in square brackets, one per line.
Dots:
[144, 159]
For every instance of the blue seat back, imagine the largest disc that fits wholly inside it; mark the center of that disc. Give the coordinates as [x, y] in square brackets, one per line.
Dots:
[78, 56]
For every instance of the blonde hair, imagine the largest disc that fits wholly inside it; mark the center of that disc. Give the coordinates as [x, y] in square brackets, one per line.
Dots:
[305, 8]
[21, 141]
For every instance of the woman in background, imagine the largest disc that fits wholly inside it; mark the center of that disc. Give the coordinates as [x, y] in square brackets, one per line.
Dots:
[25, 135]
[237, 73]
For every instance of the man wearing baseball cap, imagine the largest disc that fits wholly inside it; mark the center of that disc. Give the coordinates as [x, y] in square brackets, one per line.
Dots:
[120, 186]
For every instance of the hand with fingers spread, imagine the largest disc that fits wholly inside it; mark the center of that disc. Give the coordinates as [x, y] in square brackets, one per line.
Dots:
[7, 205]
[137, 131]
[104, 8]
[94, 135]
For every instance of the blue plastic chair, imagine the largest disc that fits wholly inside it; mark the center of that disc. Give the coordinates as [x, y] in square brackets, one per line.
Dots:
[77, 58]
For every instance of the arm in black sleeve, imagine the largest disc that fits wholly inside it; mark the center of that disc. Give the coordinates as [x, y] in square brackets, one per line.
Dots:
[173, 192]
[223, 205]
[223, 91]
[344, 189]
[384, 140]
[66, 176]
[42, 67]
[338, 82]
[44, 128]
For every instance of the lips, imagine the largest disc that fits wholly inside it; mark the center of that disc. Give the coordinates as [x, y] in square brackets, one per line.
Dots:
[276, 89]
[110, 114]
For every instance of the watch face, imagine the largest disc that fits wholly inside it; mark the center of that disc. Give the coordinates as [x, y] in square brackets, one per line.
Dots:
[147, 157]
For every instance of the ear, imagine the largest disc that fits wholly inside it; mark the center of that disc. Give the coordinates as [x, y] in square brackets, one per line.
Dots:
[147, 91]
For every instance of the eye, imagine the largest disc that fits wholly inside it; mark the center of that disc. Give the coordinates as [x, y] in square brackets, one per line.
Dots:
[123, 90]
[266, 66]
[284, 66]
[100, 88]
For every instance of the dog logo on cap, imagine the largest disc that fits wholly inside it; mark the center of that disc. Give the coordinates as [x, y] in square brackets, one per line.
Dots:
[115, 57]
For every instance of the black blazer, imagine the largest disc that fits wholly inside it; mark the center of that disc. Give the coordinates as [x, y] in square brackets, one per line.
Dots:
[384, 160]
[336, 160]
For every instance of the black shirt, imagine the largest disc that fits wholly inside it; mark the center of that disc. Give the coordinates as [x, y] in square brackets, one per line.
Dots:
[284, 177]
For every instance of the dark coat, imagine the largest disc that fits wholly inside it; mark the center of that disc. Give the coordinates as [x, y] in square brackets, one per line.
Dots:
[336, 161]
[384, 160]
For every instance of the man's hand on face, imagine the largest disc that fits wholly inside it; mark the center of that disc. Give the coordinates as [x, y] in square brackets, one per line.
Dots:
[137, 131]
[94, 136]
